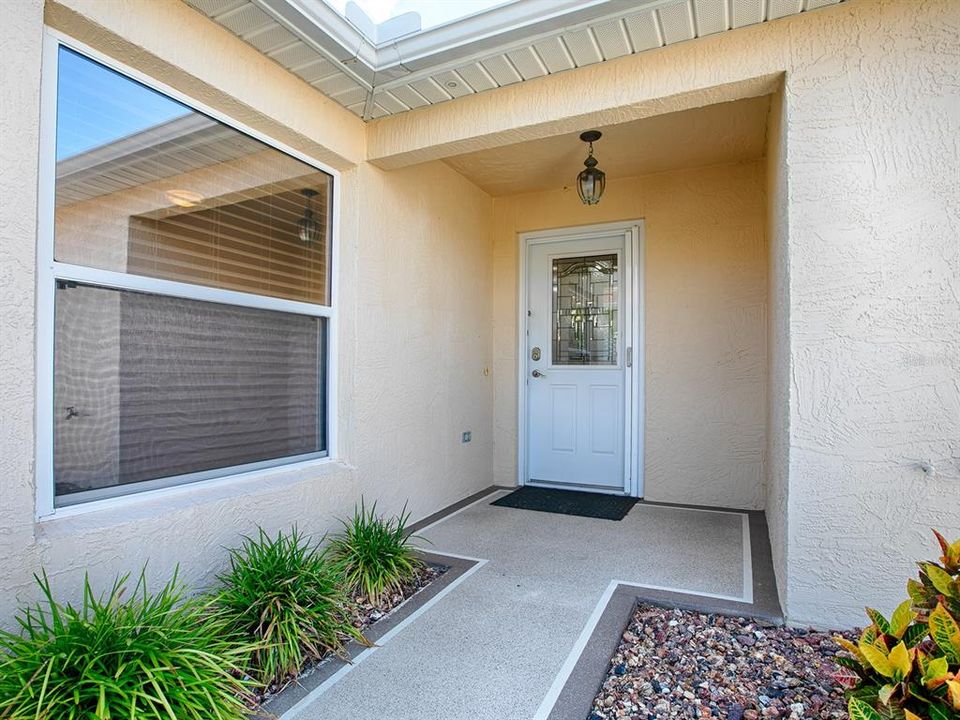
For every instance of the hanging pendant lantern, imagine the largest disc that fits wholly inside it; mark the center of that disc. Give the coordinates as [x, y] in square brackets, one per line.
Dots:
[307, 227]
[591, 180]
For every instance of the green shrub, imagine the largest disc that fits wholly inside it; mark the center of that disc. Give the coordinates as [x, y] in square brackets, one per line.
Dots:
[143, 656]
[285, 597]
[375, 553]
[908, 666]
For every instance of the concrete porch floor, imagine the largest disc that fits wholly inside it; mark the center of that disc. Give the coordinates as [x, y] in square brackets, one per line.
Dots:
[502, 641]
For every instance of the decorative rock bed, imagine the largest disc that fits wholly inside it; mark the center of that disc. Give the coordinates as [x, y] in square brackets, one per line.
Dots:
[365, 613]
[677, 664]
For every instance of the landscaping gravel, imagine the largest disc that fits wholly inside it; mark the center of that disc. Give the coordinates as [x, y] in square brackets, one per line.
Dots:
[365, 613]
[677, 664]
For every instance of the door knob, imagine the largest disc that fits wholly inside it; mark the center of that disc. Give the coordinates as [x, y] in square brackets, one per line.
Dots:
[537, 374]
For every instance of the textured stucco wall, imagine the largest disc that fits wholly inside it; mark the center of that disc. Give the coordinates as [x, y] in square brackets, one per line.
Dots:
[414, 335]
[778, 339]
[705, 325]
[421, 374]
[872, 112]
[873, 171]
[20, 35]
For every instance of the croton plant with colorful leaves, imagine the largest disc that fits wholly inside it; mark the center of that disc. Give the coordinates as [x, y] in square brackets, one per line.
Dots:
[907, 667]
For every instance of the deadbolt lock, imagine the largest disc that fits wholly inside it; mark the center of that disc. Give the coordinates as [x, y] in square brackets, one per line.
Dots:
[535, 354]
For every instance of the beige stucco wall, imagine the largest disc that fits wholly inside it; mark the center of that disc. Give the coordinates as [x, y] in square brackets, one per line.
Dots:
[873, 173]
[778, 343]
[705, 278]
[869, 207]
[414, 328]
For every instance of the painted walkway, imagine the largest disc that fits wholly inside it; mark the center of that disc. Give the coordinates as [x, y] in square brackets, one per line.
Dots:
[500, 643]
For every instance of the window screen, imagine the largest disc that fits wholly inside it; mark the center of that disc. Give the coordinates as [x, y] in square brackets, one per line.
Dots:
[150, 387]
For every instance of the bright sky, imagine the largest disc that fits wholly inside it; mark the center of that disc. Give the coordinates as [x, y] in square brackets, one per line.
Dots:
[432, 12]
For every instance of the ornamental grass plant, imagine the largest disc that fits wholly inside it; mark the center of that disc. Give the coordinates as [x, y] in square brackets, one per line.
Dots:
[375, 553]
[284, 597]
[136, 654]
[121, 655]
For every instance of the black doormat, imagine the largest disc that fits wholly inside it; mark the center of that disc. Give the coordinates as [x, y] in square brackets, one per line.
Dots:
[568, 502]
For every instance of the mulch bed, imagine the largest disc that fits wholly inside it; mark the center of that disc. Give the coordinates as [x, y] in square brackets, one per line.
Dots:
[677, 664]
[365, 614]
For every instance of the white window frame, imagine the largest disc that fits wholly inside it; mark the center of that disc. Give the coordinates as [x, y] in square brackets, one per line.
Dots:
[49, 271]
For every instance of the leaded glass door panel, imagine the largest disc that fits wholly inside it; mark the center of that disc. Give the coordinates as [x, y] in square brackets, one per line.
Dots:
[584, 316]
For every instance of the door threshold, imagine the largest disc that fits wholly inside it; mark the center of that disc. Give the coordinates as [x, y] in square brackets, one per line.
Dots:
[600, 489]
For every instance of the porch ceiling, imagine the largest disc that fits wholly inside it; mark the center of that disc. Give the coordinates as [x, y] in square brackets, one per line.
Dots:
[513, 43]
[709, 135]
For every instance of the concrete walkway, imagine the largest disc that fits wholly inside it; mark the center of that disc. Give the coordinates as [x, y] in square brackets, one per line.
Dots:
[496, 646]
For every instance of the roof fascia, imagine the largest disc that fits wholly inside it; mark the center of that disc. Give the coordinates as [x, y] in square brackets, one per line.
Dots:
[400, 60]
[340, 40]
[329, 33]
[487, 29]
[500, 43]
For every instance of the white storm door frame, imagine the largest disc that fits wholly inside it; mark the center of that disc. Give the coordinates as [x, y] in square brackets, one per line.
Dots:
[633, 292]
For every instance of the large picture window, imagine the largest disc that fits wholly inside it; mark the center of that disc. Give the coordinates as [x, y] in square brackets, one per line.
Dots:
[187, 277]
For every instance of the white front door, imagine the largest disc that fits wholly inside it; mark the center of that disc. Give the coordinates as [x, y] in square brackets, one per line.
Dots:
[578, 316]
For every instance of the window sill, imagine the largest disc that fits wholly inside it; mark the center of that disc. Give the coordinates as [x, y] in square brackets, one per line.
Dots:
[163, 501]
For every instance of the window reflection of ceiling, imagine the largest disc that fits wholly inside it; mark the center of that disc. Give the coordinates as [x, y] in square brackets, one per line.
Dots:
[173, 148]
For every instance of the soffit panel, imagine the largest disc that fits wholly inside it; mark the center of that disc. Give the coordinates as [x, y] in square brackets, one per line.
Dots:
[592, 32]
